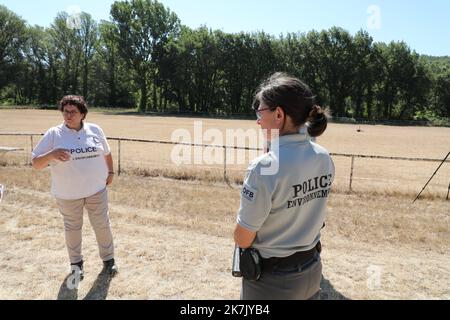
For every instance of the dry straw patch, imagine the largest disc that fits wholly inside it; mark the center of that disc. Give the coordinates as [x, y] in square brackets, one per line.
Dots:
[173, 225]
[370, 175]
[174, 241]
[424, 142]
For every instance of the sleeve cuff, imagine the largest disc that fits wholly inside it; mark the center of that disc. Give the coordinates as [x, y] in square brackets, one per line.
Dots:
[246, 225]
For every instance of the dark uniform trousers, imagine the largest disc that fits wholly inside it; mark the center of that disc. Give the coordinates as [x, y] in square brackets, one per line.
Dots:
[298, 282]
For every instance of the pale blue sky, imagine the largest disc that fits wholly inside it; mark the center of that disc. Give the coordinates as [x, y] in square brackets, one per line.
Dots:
[423, 24]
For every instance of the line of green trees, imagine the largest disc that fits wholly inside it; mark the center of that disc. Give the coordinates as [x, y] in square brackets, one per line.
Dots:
[145, 58]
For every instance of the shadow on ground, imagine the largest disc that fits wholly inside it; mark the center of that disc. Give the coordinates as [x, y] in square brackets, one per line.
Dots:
[68, 289]
[98, 291]
[328, 292]
[100, 288]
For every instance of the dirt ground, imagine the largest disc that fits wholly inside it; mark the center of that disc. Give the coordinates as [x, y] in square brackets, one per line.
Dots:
[174, 241]
[173, 235]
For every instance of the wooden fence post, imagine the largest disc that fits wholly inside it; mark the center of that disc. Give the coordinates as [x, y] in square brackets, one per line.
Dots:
[351, 173]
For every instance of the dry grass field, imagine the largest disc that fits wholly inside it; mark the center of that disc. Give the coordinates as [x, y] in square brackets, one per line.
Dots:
[174, 236]
[370, 175]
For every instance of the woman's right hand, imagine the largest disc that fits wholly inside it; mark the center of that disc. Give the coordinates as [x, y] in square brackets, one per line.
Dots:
[42, 161]
[60, 155]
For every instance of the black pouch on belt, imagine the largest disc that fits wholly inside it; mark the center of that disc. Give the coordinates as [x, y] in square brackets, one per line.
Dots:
[250, 264]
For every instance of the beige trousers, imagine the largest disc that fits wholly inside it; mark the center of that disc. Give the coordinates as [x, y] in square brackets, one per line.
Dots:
[97, 208]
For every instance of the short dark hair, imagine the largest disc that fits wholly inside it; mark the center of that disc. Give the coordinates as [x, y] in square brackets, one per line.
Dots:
[77, 101]
[296, 99]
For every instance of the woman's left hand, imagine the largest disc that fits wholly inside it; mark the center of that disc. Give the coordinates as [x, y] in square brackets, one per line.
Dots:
[110, 178]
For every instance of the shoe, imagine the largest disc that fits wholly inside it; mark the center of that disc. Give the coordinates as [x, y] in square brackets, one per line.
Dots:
[77, 270]
[110, 268]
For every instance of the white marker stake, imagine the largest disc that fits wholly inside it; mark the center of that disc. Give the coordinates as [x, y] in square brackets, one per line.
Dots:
[2, 189]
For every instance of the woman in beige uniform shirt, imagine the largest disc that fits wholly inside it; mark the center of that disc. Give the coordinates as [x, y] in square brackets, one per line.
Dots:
[284, 197]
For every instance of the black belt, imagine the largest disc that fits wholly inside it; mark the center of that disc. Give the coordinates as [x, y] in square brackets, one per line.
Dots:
[298, 258]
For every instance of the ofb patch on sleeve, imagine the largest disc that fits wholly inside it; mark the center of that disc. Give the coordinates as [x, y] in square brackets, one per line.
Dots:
[248, 192]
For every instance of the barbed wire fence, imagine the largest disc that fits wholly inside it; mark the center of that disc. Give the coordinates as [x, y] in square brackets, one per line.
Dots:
[354, 172]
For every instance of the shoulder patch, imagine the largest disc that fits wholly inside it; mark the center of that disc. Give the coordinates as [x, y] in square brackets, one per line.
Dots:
[96, 140]
[248, 192]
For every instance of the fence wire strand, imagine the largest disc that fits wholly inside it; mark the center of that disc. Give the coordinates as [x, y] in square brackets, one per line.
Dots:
[354, 172]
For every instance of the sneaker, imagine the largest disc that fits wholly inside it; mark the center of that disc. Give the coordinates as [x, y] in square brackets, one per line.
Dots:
[110, 267]
[77, 269]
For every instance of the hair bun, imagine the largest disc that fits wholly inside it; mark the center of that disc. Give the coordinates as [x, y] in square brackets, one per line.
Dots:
[315, 110]
[317, 121]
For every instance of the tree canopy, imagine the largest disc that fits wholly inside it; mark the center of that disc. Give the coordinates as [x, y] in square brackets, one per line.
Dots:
[145, 58]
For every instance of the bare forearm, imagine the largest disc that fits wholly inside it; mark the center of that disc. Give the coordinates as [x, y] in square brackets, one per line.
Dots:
[42, 161]
[109, 163]
[243, 237]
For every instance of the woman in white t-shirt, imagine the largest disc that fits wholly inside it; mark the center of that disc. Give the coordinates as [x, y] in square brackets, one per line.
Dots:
[81, 167]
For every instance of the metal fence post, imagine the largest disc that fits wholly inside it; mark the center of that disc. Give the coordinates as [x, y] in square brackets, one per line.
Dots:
[445, 159]
[31, 147]
[351, 173]
[225, 163]
[448, 191]
[118, 161]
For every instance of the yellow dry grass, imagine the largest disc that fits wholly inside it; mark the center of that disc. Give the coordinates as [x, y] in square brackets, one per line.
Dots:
[423, 142]
[369, 175]
[174, 241]
[174, 237]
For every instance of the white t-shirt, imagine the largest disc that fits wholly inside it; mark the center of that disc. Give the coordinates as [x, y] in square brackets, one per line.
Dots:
[86, 172]
[287, 209]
